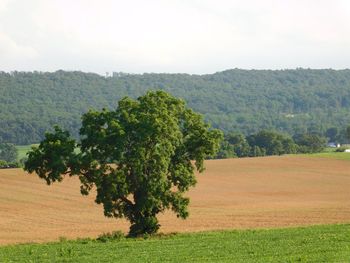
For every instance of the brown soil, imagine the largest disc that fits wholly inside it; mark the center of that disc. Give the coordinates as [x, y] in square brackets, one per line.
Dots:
[233, 193]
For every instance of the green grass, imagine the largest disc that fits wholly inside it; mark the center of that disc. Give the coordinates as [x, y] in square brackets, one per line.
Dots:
[333, 155]
[23, 149]
[328, 243]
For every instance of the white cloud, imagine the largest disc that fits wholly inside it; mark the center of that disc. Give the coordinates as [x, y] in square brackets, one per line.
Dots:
[12, 53]
[3, 4]
[195, 36]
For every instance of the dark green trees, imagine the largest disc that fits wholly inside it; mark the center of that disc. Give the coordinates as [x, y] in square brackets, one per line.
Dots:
[246, 101]
[310, 143]
[138, 157]
[234, 145]
[347, 133]
[332, 134]
[259, 144]
[267, 142]
[272, 143]
[239, 143]
[8, 152]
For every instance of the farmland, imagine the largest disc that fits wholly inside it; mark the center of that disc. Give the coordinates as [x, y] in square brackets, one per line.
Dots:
[243, 193]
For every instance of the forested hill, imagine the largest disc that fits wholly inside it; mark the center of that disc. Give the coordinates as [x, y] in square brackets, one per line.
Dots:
[237, 100]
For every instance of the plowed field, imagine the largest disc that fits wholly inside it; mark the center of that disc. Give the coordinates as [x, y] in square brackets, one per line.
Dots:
[233, 193]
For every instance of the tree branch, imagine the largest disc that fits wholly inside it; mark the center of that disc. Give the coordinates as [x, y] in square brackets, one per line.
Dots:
[126, 200]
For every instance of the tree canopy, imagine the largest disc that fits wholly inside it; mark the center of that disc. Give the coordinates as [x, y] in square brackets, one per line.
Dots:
[140, 157]
[8, 152]
[247, 101]
[310, 143]
[267, 142]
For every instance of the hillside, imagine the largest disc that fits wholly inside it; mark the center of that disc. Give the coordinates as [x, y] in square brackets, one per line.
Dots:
[233, 100]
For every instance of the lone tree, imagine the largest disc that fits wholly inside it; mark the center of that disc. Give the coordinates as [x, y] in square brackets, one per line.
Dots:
[140, 158]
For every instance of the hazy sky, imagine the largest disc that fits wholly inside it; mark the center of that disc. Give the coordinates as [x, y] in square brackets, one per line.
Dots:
[193, 36]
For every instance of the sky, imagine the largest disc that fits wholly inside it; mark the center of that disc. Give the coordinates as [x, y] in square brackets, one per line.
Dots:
[174, 36]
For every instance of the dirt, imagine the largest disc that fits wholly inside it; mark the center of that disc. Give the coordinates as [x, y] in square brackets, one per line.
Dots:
[231, 194]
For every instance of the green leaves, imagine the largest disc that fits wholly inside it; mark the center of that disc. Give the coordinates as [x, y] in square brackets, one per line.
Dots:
[53, 157]
[138, 157]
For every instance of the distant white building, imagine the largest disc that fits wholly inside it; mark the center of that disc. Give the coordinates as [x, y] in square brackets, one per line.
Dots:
[347, 150]
[333, 145]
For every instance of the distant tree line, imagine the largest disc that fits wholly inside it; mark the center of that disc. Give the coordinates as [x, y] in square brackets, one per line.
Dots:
[8, 156]
[245, 101]
[264, 143]
[338, 135]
